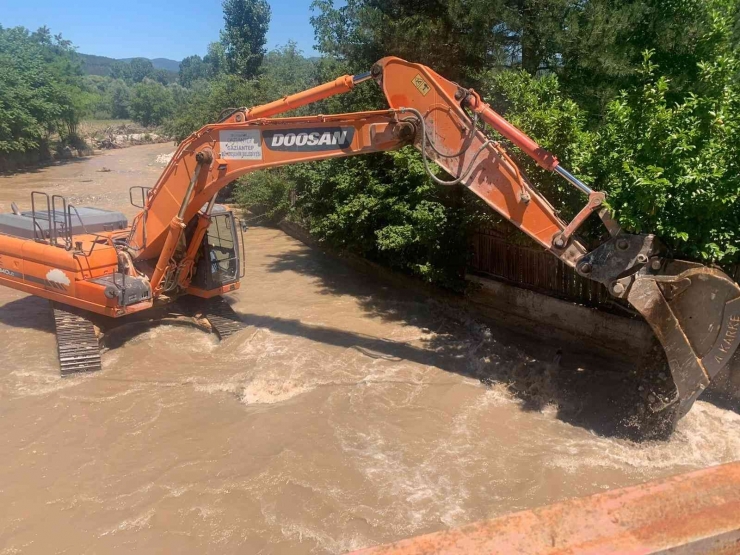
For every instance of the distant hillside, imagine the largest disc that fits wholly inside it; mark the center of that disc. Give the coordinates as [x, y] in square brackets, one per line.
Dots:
[100, 65]
[161, 63]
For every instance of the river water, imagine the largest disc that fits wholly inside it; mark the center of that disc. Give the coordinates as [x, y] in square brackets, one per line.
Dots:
[349, 413]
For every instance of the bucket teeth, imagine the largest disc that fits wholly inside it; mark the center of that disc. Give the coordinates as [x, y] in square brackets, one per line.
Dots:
[224, 321]
[77, 343]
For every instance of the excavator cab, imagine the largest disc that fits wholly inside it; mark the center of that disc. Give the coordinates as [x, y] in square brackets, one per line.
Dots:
[219, 264]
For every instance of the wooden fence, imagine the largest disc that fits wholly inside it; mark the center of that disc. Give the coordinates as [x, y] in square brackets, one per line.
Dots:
[502, 252]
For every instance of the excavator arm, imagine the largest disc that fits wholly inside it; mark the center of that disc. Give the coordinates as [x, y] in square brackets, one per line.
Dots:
[693, 310]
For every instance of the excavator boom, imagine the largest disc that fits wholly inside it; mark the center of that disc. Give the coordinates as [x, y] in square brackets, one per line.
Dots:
[175, 239]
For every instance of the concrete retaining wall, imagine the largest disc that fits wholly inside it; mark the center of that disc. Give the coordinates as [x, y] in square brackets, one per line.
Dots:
[608, 332]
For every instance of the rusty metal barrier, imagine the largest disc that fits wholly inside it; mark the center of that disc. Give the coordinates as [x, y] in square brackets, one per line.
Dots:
[695, 513]
[495, 255]
[501, 252]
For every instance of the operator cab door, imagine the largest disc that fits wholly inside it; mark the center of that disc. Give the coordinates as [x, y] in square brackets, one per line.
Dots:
[219, 264]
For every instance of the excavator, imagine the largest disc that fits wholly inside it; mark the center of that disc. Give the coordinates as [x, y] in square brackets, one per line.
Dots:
[91, 263]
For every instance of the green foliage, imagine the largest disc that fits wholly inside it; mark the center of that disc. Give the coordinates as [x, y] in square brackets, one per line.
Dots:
[134, 71]
[151, 103]
[41, 90]
[101, 66]
[384, 207]
[540, 109]
[193, 69]
[206, 101]
[265, 193]
[120, 98]
[443, 34]
[602, 51]
[120, 70]
[284, 71]
[244, 35]
[674, 169]
[140, 69]
[669, 168]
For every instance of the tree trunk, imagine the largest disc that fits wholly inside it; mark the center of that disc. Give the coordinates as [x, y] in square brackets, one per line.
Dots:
[531, 57]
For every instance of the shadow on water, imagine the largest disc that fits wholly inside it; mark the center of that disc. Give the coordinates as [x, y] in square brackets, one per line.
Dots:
[588, 391]
[28, 313]
[42, 166]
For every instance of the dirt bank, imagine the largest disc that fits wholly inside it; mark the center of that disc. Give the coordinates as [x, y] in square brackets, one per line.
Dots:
[350, 413]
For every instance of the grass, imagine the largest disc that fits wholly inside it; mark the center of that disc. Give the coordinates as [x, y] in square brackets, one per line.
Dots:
[90, 126]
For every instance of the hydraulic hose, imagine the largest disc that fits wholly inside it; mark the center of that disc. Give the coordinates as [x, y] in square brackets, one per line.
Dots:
[425, 159]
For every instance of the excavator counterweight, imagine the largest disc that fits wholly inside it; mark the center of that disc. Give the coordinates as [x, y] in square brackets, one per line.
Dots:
[182, 244]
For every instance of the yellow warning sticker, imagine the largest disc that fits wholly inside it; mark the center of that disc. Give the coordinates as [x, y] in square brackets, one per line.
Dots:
[420, 84]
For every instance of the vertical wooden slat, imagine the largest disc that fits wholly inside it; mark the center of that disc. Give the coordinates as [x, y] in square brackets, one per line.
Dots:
[494, 254]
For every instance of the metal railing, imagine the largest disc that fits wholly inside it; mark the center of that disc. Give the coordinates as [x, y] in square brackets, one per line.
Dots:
[60, 229]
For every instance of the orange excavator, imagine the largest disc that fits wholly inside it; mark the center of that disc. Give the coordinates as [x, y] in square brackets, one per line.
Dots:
[91, 262]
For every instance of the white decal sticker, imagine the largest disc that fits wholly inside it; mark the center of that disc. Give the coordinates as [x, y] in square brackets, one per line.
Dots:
[241, 145]
[57, 276]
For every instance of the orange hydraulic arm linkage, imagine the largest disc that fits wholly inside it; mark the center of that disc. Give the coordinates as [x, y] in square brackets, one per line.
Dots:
[693, 310]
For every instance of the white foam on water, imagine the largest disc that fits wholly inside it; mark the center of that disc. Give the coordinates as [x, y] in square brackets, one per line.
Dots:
[233, 387]
[35, 383]
[177, 338]
[706, 436]
[303, 532]
[276, 369]
[415, 493]
[136, 523]
[268, 391]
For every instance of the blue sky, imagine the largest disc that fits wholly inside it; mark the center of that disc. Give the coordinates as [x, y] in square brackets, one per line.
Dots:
[151, 29]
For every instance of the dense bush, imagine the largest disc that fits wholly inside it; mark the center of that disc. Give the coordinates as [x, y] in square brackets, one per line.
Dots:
[266, 194]
[41, 91]
[384, 207]
[674, 169]
[151, 103]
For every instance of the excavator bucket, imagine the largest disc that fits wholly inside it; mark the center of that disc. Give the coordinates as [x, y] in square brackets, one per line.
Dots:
[694, 312]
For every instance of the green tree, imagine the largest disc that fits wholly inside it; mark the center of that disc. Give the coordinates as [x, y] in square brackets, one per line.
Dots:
[245, 34]
[151, 103]
[384, 207]
[206, 102]
[286, 71]
[141, 69]
[120, 99]
[163, 76]
[42, 90]
[266, 193]
[602, 51]
[674, 168]
[360, 32]
[668, 167]
[192, 69]
[120, 70]
[215, 60]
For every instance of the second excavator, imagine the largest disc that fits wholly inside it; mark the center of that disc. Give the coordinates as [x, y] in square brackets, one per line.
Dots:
[90, 262]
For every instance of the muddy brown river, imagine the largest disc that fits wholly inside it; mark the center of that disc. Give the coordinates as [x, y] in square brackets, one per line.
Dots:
[349, 413]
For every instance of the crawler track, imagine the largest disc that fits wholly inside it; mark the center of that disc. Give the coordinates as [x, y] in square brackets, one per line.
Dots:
[224, 321]
[77, 343]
